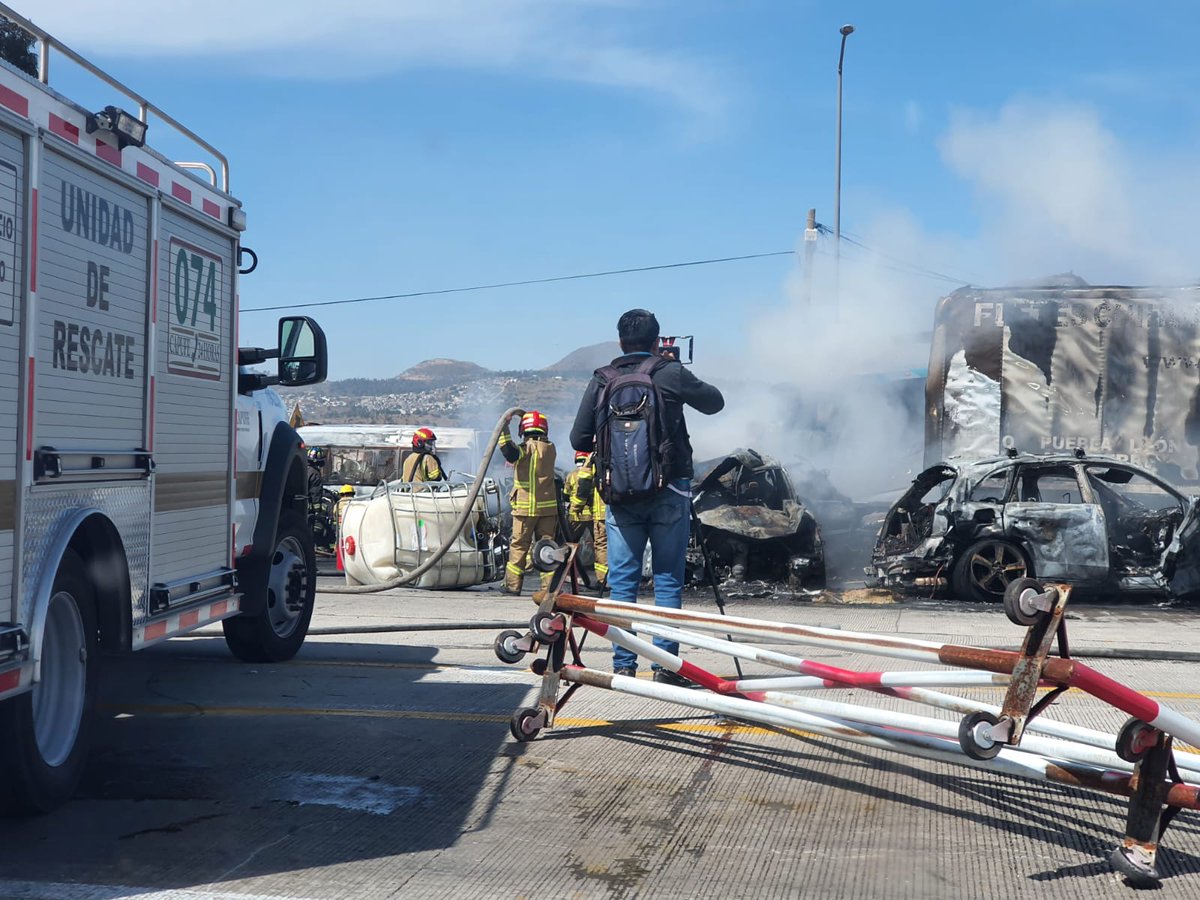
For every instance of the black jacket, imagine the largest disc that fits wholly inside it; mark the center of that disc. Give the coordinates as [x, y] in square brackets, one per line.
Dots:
[677, 385]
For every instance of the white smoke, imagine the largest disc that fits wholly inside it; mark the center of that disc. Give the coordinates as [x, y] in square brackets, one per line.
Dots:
[1056, 189]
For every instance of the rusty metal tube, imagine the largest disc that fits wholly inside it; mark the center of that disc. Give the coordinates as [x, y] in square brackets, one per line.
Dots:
[626, 613]
[1103, 755]
[895, 684]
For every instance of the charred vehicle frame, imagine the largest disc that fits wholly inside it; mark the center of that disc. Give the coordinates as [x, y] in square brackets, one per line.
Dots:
[754, 524]
[1090, 521]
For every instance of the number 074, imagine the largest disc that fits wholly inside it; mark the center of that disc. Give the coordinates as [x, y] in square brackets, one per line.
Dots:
[188, 297]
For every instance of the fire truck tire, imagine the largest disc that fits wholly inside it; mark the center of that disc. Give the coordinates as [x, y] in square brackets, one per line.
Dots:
[277, 632]
[48, 730]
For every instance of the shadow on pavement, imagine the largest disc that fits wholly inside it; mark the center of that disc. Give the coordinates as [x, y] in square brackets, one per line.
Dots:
[1083, 821]
[207, 770]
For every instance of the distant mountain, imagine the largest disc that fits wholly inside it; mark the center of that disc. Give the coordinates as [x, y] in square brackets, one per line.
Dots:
[586, 359]
[444, 371]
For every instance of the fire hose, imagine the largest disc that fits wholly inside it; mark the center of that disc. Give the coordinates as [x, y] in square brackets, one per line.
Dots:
[468, 513]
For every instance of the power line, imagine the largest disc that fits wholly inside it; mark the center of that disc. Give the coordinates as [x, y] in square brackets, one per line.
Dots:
[920, 270]
[529, 281]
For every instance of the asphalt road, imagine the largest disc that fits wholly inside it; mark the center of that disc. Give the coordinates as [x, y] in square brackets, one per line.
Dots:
[381, 765]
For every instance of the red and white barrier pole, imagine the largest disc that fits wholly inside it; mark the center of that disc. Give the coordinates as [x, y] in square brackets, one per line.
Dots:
[1067, 672]
[895, 684]
[1009, 762]
[1103, 756]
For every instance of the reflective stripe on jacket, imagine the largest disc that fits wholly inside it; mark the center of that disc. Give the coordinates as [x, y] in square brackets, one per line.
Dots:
[533, 493]
[422, 467]
[579, 505]
[587, 490]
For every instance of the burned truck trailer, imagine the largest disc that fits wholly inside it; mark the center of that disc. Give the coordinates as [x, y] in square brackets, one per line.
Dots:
[1071, 367]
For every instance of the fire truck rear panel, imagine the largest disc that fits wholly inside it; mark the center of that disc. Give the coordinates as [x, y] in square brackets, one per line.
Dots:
[12, 269]
[194, 396]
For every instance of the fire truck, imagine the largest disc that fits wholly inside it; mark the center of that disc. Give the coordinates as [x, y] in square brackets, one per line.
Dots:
[149, 482]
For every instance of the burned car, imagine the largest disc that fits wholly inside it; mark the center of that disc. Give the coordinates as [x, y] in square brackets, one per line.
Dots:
[1090, 521]
[753, 524]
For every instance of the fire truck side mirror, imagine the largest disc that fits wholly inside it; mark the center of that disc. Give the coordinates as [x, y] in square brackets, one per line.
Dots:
[302, 354]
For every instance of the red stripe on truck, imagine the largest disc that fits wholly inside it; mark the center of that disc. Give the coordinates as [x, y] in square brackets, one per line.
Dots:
[64, 129]
[147, 174]
[189, 619]
[10, 680]
[179, 192]
[14, 101]
[108, 153]
[155, 631]
[212, 209]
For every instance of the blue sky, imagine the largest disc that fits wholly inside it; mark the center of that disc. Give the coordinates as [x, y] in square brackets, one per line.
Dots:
[441, 143]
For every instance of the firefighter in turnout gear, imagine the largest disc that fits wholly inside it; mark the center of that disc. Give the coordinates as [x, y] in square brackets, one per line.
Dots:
[587, 497]
[534, 496]
[423, 463]
[579, 509]
[345, 495]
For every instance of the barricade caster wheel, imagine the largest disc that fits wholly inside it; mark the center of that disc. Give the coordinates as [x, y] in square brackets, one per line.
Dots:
[1136, 865]
[1135, 739]
[546, 555]
[974, 735]
[1018, 604]
[547, 627]
[526, 723]
[506, 647]
[538, 667]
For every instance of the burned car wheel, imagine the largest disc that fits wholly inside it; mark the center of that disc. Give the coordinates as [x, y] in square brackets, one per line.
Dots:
[987, 568]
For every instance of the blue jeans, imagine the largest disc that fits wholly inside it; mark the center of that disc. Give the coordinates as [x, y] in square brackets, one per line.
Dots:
[664, 521]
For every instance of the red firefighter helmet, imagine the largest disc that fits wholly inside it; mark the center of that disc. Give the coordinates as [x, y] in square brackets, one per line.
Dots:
[534, 421]
[421, 437]
[581, 457]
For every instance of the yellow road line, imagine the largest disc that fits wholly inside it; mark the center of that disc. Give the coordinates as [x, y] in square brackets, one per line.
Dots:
[692, 727]
[136, 709]
[437, 666]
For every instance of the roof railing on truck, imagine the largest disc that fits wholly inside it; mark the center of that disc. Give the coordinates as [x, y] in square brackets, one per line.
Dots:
[145, 107]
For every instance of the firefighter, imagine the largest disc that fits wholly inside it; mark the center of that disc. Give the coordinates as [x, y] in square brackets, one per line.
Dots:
[423, 463]
[579, 508]
[317, 457]
[534, 496]
[345, 495]
[596, 510]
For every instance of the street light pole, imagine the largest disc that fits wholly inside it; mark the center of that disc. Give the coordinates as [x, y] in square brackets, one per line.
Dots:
[846, 31]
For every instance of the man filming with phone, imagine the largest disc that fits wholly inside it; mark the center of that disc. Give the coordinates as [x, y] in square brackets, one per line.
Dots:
[631, 416]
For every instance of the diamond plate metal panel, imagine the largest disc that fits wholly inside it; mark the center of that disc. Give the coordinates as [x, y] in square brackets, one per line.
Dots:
[48, 508]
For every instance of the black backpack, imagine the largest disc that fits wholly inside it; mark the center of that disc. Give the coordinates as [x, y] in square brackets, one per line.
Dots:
[633, 450]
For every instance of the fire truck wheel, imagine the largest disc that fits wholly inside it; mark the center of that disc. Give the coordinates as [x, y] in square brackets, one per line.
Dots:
[48, 729]
[277, 632]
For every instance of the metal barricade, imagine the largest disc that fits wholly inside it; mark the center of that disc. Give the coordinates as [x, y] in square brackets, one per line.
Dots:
[1015, 738]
